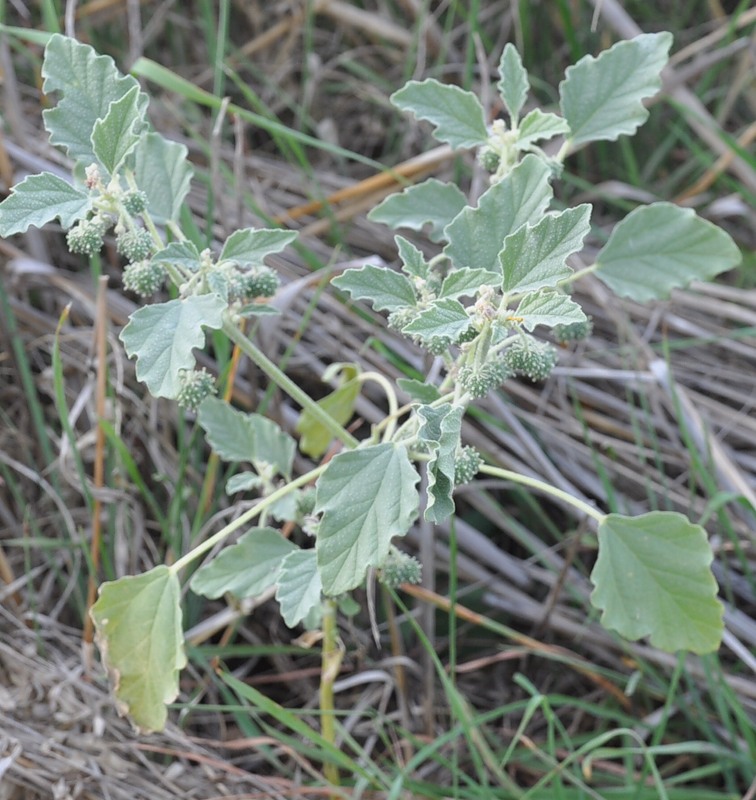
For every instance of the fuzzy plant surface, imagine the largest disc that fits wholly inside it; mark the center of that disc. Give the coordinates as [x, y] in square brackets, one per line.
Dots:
[501, 274]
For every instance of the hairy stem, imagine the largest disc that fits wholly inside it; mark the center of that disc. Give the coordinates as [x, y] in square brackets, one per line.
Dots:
[546, 488]
[330, 665]
[288, 386]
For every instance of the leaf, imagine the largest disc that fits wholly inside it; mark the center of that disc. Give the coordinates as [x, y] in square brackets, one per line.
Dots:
[88, 83]
[660, 247]
[466, 282]
[258, 310]
[367, 496]
[445, 317]
[536, 257]
[419, 391]
[163, 335]
[116, 135]
[653, 578]
[413, 261]
[138, 623]
[385, 289]
[299, 589]
[602, 98]
[476, 236]
[440, 429]
[429, 203]
[238, 436]
[39, 199]
[180, 254]
[250, 246]
[243, 482]
[538, 125]
[163, 173]
[456, 113]
[548, 308]
[244, 569]
[339, 405]
[514, 84]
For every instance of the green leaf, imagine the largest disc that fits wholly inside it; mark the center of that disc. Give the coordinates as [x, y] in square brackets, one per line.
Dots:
[536, 257]
[413, 261]
[249, 246]
[367, 496]
[339, 405]
[116, 135]
[163, 173]
[39, 199]
[466, 282]
[429, 203]
[299, 589]
[514, 84]
[88, 83]
[163, 335]
[138, 624]
[246, 568]
[238, 436]
[653, 578]
[243, 482]
[548, 308]
[538, 125]
[180, 254]
[385, 289]
[445, 317]
[440, 429]
[476, 236]
[258, 310]
[419, 391]
[602, 98]
[660, 247]
[456, 114]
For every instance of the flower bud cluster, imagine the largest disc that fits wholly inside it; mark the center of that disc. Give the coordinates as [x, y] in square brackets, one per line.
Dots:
[143, 277]
[400, 568]
[466, 465]
[478, 381]
[531, 358]
[196, 385]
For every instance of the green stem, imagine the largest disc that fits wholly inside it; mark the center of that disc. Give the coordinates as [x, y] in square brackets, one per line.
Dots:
[546, 488]
[383, 382]
[246, 517]
[330, 665]
[288, 386]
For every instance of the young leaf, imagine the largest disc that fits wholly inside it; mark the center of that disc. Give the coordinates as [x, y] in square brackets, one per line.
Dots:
[429, 203]
[660, 247]
[536, 257]
[138, 624]
[548, 308]
[413, 261]
[367, 496]
[88, 83]
[163, 335]
[476, 235]
[456, 114]
[445, 317]
[180, 254]
[238, 436]
[339, 405]
[539, 125]
[244, 569]
[602, 98]
[385, 289]
[299, 588]
[163, 173]
[466, 282]
[440, 430]
[419, 391]
[249, 246]
[39, 199]
[514, 84]
[116, 135]
[243, 482]
[652, 578]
